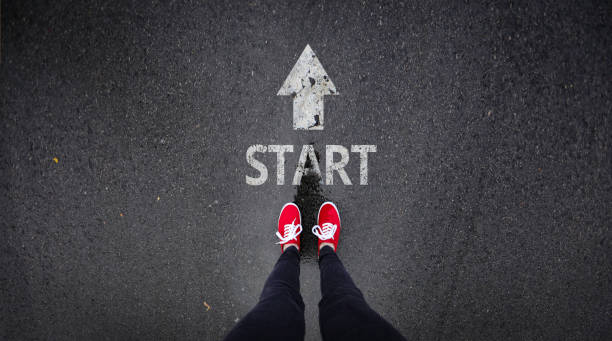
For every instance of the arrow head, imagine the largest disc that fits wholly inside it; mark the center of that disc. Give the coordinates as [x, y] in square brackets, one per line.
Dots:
[307, 73]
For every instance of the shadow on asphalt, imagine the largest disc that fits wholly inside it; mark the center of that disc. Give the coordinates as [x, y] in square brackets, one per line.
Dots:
[309, 198]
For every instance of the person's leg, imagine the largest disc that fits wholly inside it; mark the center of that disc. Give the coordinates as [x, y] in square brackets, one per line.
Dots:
[279, 315]
[343, 311]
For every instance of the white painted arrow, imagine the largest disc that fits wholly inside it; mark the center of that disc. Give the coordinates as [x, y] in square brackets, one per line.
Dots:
[307, 83]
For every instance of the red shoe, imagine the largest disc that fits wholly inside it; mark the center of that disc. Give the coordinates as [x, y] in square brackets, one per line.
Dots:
[289, 225]
[328, 229]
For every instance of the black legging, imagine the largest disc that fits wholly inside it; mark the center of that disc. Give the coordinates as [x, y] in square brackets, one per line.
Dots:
[343, 312]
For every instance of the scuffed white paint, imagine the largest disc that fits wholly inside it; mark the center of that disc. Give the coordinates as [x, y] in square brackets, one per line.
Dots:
[307, 151]
[307, 83]
[331, 165]
[280, 151]
[263, 170]
[363, 150]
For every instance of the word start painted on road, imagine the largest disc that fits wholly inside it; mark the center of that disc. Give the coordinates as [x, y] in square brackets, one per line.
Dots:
[307, 84]
[308, 153]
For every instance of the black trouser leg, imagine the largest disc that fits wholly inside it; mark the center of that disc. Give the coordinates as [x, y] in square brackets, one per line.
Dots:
[343, 312]
[279, 314]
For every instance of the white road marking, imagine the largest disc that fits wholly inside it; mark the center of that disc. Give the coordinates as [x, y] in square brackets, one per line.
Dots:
[331, 166]
[363, 150]
[307, 83]
[307, 151]
[263, 170]
[280, 151]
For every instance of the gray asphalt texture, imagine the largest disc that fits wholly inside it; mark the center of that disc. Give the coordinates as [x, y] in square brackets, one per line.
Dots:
[489, 206]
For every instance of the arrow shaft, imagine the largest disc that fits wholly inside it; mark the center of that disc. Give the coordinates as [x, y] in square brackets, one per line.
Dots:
[308, 111]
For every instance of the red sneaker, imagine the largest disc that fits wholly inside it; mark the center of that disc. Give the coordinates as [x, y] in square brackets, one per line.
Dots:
[328, 229]
[289, 225]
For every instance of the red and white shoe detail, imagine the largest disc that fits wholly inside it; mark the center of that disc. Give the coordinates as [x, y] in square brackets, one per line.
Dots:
[328, 228]
[289, 225]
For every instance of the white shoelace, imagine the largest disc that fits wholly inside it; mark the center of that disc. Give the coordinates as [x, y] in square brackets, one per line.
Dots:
[289, 232]
[326, 232]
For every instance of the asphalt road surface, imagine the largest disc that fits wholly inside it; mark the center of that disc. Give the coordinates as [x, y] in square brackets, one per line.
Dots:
[126, 213]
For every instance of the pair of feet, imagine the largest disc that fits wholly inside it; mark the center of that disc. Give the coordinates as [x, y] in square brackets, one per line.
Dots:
[327, 228]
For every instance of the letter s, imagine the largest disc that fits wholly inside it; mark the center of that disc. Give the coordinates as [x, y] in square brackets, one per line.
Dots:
[263, 170]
